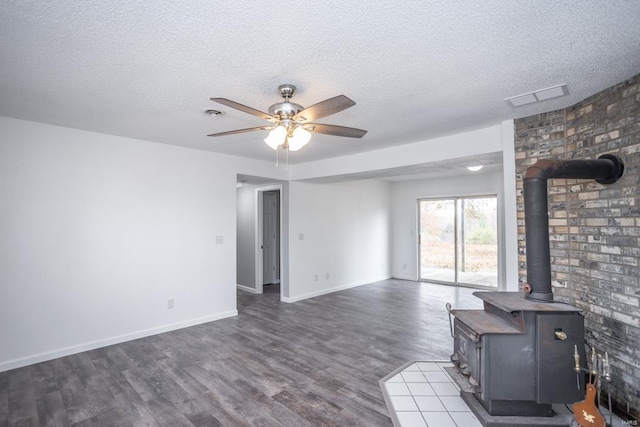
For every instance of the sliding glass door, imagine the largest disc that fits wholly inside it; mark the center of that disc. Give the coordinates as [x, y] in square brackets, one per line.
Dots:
[438, 240]
[458, 241]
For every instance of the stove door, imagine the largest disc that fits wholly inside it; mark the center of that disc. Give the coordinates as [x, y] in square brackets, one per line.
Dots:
[557, 334]
[467, 347]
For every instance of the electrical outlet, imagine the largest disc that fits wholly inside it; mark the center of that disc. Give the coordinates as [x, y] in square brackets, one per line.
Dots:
[326, 276]
[316, 277]
[170, 304]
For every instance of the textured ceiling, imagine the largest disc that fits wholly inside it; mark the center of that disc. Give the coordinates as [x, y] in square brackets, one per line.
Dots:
[416, 69]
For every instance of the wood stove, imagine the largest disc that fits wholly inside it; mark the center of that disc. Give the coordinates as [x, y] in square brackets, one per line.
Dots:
[518, 353]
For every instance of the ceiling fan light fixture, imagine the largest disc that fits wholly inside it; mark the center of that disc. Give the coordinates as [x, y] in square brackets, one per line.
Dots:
[299, 138]
[291, 129]
[276, 137]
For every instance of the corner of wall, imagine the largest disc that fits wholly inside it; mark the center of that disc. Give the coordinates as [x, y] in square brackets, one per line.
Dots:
[509, 273]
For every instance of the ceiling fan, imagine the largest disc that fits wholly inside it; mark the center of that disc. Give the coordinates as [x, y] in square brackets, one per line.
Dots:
[291, 123]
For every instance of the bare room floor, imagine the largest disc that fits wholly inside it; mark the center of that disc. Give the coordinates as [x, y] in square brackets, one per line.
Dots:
[316, 361]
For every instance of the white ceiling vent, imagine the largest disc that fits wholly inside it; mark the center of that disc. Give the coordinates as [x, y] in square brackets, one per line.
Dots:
[539, 95]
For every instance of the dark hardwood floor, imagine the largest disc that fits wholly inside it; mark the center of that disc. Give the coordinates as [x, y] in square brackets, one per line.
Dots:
[313, 362]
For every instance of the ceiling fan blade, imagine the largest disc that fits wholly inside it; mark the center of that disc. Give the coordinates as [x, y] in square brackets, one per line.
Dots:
[335, 130]
[244, 108]
[324, 108]
[232, 132]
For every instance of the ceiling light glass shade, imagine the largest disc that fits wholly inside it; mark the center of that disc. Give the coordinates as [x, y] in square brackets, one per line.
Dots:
[276, 137]
[299, 138]
[474, 168]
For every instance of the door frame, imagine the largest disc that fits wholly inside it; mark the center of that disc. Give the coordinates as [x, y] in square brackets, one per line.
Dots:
[259, 237]
[271, 242]
[456, 242]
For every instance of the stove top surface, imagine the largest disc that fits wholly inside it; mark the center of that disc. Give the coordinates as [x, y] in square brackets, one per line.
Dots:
[515, 301]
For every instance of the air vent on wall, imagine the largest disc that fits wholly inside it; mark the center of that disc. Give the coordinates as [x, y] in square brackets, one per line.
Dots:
[539, 95]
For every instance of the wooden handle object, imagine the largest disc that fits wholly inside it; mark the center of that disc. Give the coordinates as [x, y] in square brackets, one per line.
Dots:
[586, 413]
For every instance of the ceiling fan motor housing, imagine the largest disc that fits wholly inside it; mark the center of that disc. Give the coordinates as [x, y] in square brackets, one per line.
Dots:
[285, 109]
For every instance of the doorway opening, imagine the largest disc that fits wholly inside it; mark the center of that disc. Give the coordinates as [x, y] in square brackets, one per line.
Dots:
[458, 241]
[268, 239]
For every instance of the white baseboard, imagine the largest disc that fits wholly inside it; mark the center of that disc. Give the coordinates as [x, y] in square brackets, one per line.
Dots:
[401, 277]
[67, 351]
[247, 289]
[331, 290]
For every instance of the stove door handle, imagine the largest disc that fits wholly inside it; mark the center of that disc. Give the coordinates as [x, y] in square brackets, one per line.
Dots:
[561, 335]
[448, 307]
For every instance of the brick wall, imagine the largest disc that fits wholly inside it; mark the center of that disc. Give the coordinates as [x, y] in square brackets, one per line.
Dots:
[594, 229]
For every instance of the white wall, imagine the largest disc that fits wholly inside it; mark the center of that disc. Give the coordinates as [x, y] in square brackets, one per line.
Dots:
[246, 237]
[510, 248]
[464, 144]
[340, 230]
[98, 232]
[404, 199]
[491, 139]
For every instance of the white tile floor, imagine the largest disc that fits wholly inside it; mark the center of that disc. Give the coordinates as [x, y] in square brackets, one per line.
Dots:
[423, 395]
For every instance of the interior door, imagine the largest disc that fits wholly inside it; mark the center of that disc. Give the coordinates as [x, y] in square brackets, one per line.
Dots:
[269, 237]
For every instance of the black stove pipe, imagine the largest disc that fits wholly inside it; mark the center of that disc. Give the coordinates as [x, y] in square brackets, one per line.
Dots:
[606, 170]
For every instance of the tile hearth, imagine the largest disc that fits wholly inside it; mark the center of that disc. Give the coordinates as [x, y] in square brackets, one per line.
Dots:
[422, 394]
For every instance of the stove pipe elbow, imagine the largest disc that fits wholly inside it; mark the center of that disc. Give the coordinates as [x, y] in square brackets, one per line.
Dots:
[607, 169]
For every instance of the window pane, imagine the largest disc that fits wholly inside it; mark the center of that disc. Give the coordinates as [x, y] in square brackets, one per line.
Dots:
[478, 251]
[437, 240]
